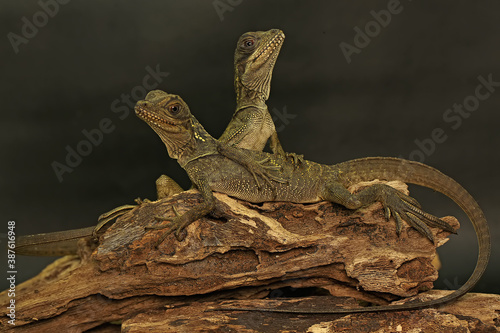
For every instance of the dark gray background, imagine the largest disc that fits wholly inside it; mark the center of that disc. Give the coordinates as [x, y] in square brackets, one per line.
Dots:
[395, 91]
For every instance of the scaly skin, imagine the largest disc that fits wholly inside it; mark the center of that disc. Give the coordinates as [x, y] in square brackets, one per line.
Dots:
[254, 59]
[197, 152]
[251, 125]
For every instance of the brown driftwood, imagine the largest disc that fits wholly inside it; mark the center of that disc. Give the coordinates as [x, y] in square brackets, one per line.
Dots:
[472, 313]
[255, 251]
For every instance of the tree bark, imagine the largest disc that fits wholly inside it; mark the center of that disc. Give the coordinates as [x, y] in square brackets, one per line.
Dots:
[320, 254]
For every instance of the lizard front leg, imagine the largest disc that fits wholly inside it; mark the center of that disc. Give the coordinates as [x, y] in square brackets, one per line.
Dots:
[180, 222]
[277, 149]
[255, 167]
[251, 128]
[397, 204]
[275, 145]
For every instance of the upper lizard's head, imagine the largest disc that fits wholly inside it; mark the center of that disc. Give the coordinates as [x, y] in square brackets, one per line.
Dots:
[170, 117]
[254, 60]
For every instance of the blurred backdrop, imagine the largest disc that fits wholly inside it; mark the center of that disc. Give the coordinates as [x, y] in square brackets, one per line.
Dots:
[414, 79]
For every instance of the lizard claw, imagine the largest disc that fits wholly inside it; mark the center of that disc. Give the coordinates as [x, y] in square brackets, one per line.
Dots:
[164, 217]
[403, 207]
[255, 167]
[140, 201]
[262, 171]
[176, 226]
[105, 218]
[296, 158]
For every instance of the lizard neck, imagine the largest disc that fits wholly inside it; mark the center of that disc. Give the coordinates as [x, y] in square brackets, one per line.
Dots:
[246, 97]
[200, 144]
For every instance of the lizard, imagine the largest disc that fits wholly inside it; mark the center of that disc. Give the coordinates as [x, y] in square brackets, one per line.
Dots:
[251, 125]
[198, 154]
[254, 58]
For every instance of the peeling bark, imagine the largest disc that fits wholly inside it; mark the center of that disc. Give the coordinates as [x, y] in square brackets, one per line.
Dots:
[318, 253]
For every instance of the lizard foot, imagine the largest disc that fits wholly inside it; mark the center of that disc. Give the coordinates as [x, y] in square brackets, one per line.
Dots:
[256, 168]
[261, 170]
[105, 218]
[403, 207]
[176, 226]
[140, 201]
[296, 158]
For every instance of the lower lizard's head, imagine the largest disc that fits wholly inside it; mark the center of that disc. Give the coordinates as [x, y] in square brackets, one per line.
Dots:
[169, 116]
[254, 60]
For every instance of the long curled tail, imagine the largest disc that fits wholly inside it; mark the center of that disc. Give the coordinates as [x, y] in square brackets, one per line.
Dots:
[412, 172]
[388, 168]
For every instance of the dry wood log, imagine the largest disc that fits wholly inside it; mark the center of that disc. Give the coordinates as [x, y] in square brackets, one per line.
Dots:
[471, 313]
[254, 251]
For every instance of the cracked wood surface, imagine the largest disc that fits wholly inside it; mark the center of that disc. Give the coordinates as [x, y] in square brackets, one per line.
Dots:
[253, 252]
[471, 313]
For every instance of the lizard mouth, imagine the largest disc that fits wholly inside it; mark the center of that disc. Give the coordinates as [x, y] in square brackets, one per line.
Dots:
[271, 46]
[154, 120]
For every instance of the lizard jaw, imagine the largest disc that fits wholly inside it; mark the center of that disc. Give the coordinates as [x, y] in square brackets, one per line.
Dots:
[176, 134]
[270, 47]
[154, 120]
[259, 66]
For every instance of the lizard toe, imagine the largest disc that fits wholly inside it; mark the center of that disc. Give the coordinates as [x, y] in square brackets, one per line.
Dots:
[180, 234]
[434, 221]
[160, 218]
[409, 200]
[162, 237]
[399, 223]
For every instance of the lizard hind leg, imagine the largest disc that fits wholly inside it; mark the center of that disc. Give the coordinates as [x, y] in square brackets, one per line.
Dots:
[396, 204]
[166, 187]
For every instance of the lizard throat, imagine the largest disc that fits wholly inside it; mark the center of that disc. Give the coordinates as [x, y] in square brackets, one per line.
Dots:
[177, 138]
[255, 81]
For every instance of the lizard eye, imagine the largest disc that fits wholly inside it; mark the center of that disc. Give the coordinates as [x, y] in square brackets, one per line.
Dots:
[174, 108]
[248, 43]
